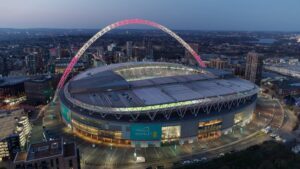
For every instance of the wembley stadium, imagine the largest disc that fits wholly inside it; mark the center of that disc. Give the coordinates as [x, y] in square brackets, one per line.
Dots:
[142, 104]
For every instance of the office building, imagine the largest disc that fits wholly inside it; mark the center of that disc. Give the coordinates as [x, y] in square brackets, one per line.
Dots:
[14, 130]
[39, 90]
[218, 63]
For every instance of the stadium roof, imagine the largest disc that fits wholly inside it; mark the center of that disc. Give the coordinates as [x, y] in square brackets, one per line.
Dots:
[109, 89]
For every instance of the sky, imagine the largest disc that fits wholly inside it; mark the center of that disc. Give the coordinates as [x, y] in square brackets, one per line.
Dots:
[243, 15]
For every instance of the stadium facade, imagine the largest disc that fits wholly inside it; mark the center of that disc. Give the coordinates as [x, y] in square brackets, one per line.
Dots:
[145, 104]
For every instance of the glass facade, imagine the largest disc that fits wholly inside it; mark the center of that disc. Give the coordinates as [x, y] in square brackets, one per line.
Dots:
[170, 133]
[98, 132]
[209, 129]
[242, 117]
[3, 150]
[108, 136]
[9, 147]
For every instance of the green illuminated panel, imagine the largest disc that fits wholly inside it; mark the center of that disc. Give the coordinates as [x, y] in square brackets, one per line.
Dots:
[66, 113]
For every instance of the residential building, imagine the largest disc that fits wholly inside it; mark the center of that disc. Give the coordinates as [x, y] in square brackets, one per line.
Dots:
[254, 64]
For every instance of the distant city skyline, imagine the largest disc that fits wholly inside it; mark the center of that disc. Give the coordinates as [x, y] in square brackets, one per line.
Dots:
[235, 15]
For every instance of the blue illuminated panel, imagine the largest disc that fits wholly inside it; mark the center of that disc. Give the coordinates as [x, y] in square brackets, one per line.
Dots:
[145, 132]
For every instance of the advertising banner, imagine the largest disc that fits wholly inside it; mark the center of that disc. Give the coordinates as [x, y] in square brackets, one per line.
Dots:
[145, 132]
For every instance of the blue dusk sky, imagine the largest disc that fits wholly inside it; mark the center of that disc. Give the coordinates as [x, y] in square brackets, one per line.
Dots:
[245, 15]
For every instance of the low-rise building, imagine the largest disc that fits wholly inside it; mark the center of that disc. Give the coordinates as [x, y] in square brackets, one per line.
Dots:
[62, 63]
[12, 86]
[283, 87]
[218, 63]
[52, 154]
[292, 70]
[39, 90]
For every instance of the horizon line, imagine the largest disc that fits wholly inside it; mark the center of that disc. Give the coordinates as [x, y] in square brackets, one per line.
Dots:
[204, 30]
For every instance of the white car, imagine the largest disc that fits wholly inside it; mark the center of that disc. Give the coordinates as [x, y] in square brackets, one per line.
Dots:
[278, 138]
[140, 159]
[296, 149]
[186, 162]
[196, 160]
[221, 154]
[203, 159]
[267, 130]
[273, 135]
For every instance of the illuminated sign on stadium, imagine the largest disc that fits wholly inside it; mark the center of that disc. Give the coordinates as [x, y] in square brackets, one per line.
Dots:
[144, 132]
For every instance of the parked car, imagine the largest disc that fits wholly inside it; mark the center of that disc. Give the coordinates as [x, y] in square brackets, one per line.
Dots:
[186, 162]
[221, 155]
[140, 159]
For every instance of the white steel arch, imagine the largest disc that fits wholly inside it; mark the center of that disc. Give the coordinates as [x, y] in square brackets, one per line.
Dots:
[115, 25]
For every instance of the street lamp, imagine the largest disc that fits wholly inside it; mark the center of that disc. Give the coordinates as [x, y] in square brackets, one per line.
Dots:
[241, 130]
[134, 154]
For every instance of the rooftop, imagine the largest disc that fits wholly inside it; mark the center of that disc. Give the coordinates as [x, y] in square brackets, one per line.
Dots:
[41, 79]
[8, 122]
[21, 156]
[8, 81]
[294, 67]
[46, 150]
[69, 150]
[287, 84]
